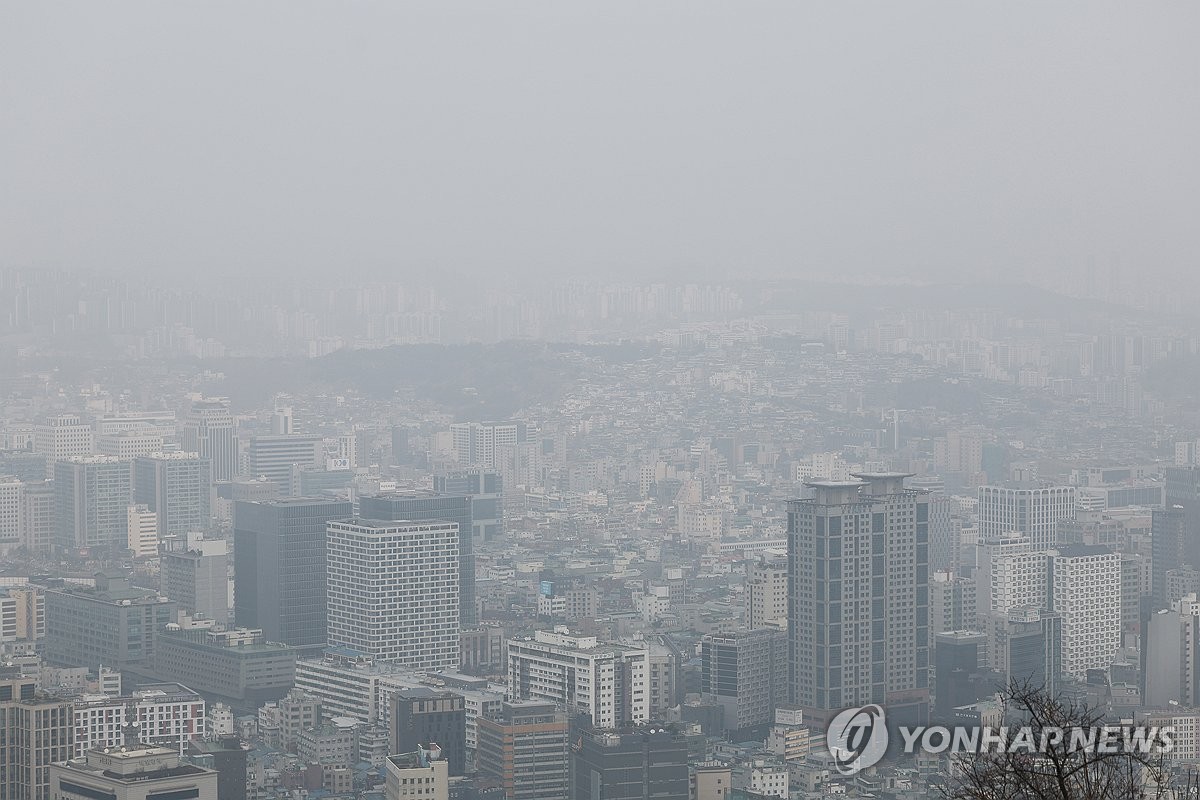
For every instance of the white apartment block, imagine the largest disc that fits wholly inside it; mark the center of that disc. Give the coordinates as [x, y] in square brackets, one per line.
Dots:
[1033, 512]
[653, 603]
[351, 684]
[477, 444]
[609, 682]
[416, 776]
[765, 777]
[1010, 576]
[552, 606]
[393, 590]
[1084, 588]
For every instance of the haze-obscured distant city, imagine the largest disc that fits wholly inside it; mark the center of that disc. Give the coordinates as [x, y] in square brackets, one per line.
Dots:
[692, 401]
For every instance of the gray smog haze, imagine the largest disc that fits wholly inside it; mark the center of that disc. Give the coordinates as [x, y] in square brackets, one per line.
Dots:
[534, 139]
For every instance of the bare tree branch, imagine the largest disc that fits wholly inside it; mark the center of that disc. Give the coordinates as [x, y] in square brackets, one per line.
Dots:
[1061, 770]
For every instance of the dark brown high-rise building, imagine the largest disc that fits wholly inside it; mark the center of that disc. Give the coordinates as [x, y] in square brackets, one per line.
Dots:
[524, 751]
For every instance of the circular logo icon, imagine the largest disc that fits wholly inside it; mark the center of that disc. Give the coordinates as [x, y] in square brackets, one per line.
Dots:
[857, 738]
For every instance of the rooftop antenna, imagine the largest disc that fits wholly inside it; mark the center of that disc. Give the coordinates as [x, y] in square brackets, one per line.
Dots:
[129, 734]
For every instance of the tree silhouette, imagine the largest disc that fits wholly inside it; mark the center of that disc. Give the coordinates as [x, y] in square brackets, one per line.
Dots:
[1062, 771]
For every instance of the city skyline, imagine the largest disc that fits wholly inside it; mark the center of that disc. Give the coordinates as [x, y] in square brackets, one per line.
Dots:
[573, 401]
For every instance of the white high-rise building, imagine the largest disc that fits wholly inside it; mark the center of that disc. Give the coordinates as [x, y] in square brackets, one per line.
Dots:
[766, 594]
[128, 445]
[1033, 512]
[608, 682]
[951, 604]
[393, 590]
[280, 456]
[62, 437]
[476, 443]
[1084, 588]
[347, 449]
[143, 531]
[1011, 574]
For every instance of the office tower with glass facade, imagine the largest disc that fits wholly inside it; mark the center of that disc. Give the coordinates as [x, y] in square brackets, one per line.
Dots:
[485, 489]
[91, 496]
[278, 457]
[208, 429]
[279, 556]
[1168, 543]
[177, 487]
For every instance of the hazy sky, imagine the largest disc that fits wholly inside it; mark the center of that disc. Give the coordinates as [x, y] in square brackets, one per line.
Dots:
[624, 138]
